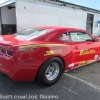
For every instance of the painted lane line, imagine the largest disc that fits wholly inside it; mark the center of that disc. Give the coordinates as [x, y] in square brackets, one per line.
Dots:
[91, 85]
[70, 90]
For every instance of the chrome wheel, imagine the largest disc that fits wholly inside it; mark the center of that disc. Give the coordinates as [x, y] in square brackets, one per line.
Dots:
[52, 71]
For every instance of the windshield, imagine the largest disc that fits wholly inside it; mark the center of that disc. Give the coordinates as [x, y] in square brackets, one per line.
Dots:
[29, 34]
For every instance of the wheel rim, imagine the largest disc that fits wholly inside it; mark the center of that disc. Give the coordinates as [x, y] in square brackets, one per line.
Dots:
[52, 71]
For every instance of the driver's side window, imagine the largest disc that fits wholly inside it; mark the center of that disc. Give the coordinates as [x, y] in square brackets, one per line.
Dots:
[79, 36]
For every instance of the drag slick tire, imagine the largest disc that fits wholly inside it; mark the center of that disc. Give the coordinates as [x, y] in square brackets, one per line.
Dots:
[50, 71]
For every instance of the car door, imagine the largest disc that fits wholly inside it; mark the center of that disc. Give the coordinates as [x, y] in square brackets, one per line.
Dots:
[84, 49]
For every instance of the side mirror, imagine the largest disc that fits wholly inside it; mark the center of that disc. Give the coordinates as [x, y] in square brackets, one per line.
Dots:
[95, 39]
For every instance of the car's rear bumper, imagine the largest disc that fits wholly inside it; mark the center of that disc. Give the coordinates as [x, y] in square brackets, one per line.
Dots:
[17, 71]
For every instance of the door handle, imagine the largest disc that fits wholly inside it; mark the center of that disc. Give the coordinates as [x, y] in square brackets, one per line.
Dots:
[76, 47]
[85, 49]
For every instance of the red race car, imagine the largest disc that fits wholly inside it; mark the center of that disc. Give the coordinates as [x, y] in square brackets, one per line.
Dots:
[46, 52]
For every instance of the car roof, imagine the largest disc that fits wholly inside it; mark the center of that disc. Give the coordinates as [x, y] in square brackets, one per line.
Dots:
[59, 28]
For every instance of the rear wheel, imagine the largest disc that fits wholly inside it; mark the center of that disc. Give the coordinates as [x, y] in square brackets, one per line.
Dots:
[50, 71]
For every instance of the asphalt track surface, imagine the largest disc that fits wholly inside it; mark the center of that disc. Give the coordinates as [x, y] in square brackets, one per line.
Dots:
[79, 84]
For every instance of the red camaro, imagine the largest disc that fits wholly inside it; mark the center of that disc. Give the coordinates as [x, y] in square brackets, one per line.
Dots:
[46, 52]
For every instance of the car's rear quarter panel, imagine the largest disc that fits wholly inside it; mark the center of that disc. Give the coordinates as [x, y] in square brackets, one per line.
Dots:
[28, 62]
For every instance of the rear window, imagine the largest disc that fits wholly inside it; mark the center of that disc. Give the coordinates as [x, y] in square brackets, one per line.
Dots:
[30, 34]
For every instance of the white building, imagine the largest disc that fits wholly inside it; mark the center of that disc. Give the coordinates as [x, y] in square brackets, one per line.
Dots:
[17, 15]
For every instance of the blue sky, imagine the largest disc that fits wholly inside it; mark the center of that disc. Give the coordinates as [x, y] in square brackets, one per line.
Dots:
[95, 4]
[3, 1]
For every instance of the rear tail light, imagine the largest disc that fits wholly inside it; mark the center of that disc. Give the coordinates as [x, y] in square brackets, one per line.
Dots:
[9, 53]
[2, 51]
[6, 52]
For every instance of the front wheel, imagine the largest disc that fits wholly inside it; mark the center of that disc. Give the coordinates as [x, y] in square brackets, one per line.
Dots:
[50, 71]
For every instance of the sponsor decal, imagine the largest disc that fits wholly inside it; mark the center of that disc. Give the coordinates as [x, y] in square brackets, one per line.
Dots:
[30, 47]
[65, 37]
[97, 57]
[25, 48]
[90, 61]
[94, 61]
[0, 64]
[51, 52]
[86, 62]
[71, 65]
[82, 52]
[74, 36]
[83, 63]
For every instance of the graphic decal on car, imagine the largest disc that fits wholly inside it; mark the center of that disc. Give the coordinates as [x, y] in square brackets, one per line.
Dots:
[51, 52]
[71, 65]
[29, 47]
[86, 62]
[65, 37]
[97, 57]
[83, 63]
[82, 52]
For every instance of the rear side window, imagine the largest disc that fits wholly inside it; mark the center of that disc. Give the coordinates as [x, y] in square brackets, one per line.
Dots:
[65, 37]
[30, 34]
[79, 37]
[75, 37]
